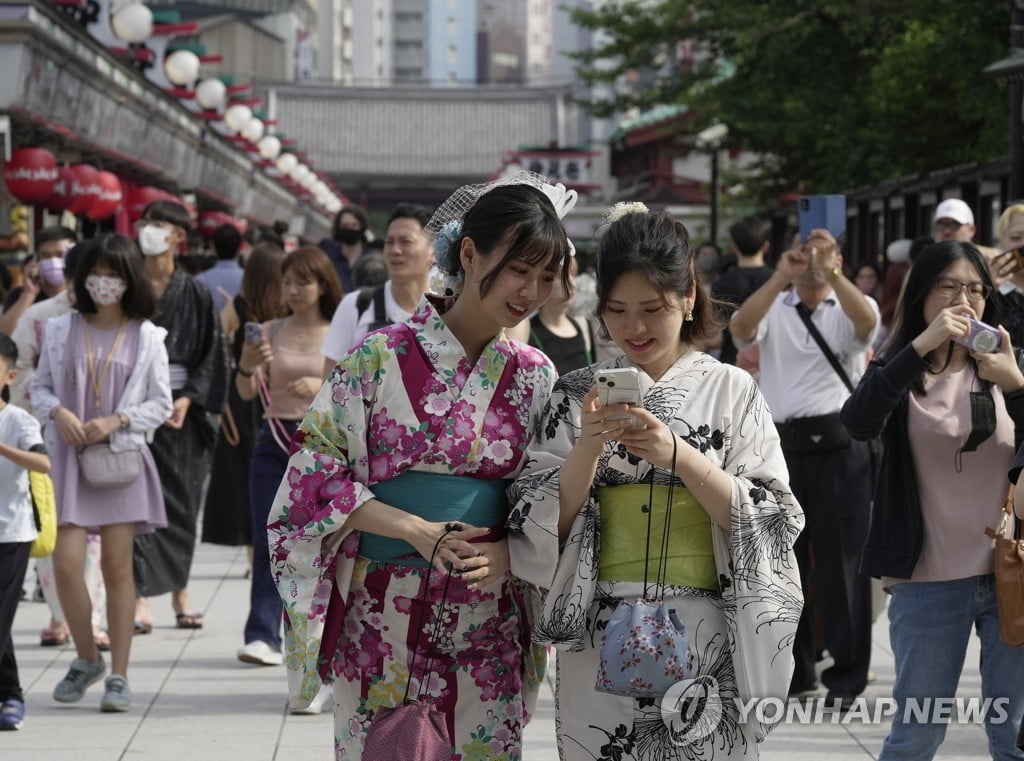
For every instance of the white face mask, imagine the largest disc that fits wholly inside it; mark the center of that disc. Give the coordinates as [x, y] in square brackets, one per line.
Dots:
[154, 240]
[105, 289]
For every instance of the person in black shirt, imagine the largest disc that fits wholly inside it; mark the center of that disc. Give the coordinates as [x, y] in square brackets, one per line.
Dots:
[568, 341]
[749, 238]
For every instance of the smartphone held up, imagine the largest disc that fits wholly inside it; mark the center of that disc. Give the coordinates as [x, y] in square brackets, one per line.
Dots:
[821, 213]
[620, 385]
[253, 333]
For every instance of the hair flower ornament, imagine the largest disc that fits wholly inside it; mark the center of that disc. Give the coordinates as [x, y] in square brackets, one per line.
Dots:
[624, 208]
[446, 252]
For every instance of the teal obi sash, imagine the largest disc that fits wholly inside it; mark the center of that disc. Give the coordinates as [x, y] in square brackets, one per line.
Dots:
[438, 498]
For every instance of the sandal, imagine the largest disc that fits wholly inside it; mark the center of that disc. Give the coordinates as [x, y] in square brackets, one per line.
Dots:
[54, 636]
[143, 628]
[102, 640]
[189, 620]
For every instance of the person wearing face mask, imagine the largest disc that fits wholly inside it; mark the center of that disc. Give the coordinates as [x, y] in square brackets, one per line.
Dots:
[42, 275]
[182, 447]
[103, 379]
[347, 244]
[409, 259]
[28, 337]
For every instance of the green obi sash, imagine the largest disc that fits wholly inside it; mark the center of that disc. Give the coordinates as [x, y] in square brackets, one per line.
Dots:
[438, 498]
[691, 556]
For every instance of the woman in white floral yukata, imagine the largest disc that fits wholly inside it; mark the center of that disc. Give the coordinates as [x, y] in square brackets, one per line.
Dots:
[581, 507]
[424, 423]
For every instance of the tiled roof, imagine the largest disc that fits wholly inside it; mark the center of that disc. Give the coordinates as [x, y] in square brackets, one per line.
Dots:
[648, 118]
[390, 133]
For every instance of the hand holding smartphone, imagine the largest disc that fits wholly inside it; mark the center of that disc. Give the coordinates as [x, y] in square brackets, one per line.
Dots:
[620, 385]
[821, 212]
[253, 333]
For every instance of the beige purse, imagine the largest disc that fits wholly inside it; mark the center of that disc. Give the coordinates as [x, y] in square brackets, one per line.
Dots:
[103, 468]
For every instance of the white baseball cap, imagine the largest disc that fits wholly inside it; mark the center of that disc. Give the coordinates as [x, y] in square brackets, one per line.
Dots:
[955, 209]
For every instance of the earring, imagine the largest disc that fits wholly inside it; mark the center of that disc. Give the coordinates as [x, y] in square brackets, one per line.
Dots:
[688, 317]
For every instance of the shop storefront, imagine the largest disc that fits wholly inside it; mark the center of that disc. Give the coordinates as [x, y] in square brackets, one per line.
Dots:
[63, 92]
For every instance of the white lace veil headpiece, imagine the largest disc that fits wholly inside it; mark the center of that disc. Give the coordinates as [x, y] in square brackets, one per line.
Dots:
[445, 226]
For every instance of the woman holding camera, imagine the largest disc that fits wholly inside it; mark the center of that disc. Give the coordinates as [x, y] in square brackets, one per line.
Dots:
[282, 362]
[592, 503]
[949, 404]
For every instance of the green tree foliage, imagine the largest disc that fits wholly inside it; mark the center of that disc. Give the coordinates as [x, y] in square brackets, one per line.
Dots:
[833, 94]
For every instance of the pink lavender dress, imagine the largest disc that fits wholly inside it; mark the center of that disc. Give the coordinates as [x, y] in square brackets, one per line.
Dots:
[79, 504]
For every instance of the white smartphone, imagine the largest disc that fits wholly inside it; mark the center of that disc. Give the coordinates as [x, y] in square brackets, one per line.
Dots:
[620, 385]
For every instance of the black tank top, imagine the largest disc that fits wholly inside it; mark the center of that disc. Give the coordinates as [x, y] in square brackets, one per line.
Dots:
[568, 354]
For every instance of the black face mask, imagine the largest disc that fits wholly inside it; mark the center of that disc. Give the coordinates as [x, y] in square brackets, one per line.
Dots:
[348, 236]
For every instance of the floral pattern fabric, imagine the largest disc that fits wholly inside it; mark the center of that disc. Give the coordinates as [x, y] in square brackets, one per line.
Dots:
[742, 637]
[405, 397]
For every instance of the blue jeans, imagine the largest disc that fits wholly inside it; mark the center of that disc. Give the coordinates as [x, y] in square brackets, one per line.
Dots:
[929, 627]
[269, 463]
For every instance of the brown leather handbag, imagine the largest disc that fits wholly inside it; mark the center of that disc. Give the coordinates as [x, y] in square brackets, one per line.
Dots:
[1008, 563]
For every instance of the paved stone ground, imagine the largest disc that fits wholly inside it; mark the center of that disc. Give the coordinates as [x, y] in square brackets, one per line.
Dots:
[193, 701]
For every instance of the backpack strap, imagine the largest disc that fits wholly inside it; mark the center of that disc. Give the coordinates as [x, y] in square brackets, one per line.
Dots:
[363, 300]
[380, 314]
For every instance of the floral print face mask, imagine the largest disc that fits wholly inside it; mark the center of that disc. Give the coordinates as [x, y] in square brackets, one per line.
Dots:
[105, 289]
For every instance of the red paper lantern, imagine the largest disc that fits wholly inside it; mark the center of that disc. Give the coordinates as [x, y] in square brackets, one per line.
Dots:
[85, 188]
[60, 198]
[140, 198]
[109, 199]
[30, 174]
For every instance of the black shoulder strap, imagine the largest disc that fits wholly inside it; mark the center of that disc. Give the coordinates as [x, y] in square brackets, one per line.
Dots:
[363, 300]
[805, 315]
[379, 307]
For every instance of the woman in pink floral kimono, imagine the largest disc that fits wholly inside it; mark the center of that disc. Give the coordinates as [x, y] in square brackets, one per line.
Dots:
[423, 424]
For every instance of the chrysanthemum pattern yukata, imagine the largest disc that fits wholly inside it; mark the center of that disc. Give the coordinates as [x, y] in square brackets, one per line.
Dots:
[741, 637]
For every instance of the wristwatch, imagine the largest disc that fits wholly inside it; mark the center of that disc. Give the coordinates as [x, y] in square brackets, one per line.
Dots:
[125, 420]
[836, 272]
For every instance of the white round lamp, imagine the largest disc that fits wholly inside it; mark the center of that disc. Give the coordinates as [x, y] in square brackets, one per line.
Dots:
[270, 147]
[182, 67]
[237, 117]
[133, 23]
[253, 130]
[211, 93]
[286, 163]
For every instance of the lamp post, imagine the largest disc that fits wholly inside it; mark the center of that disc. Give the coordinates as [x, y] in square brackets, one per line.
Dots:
[711, 139]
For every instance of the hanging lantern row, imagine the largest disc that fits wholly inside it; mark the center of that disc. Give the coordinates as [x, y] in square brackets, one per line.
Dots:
[32, 176]
[179, 72]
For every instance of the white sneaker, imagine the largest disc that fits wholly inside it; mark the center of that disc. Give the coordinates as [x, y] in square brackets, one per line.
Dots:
[260, 653]
[324, 699]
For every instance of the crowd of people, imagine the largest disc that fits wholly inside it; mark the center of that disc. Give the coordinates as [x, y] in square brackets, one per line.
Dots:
[415, 446]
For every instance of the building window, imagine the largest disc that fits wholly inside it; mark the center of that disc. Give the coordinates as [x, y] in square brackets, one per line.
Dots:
[453, 27]
[453, 55]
